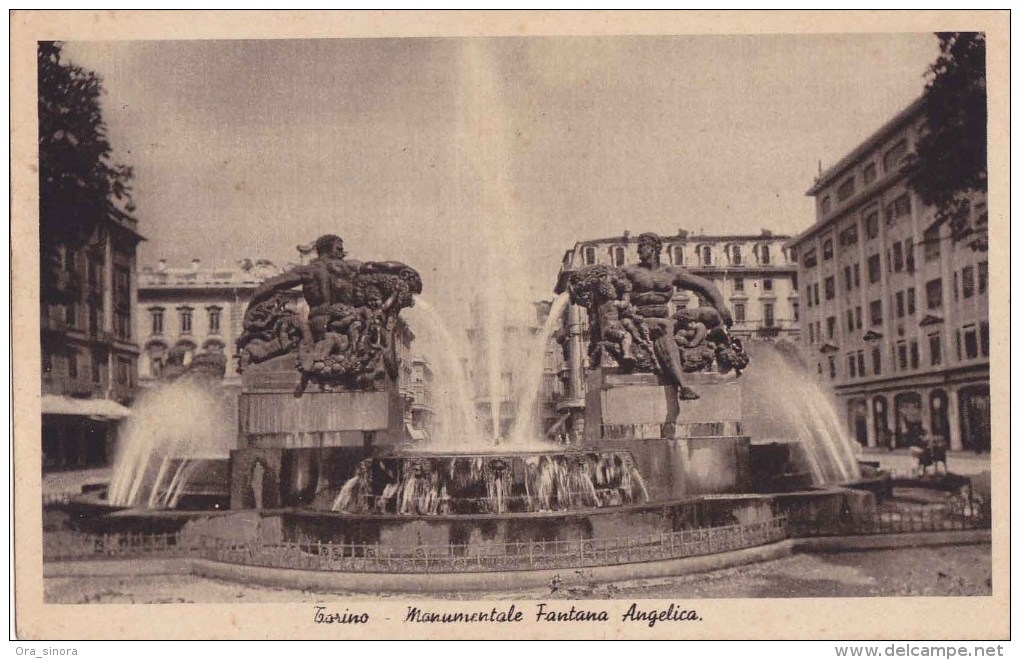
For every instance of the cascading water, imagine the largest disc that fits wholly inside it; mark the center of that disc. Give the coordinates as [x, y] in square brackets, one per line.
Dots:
[456, 418]
[169, 428]
[526, 424]
[787, 404]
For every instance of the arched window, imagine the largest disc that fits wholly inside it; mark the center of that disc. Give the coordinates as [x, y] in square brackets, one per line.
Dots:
[706, 255]
[619, 255]
[766, 256]
[676, 254]
[736, 257]
[589, 254]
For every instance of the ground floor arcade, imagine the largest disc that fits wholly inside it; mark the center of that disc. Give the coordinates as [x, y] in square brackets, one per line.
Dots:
[955, 407]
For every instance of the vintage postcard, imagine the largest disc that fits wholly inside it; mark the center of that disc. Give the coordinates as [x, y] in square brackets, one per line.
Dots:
[529, 325]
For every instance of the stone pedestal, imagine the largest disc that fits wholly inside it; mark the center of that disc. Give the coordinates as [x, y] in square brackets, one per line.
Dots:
[642, 406]
[683, 448]
[292, 448]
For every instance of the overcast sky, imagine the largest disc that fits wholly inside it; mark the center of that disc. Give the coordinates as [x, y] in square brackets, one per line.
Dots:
[431, 151]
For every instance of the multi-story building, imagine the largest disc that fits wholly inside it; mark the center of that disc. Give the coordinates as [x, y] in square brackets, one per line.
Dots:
[89, 349]
[754, 273]
[417, 382]
[196, 310]
[894, 312]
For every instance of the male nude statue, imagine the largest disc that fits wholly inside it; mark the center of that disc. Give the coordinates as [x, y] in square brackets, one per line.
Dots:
[652, 287]
[327, 280]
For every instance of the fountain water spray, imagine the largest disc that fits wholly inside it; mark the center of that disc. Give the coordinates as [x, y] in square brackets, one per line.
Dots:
[169, 428]
[789, 405]
[526, 424]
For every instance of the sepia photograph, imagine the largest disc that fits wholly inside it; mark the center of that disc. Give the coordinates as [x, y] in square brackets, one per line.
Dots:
[527, 332]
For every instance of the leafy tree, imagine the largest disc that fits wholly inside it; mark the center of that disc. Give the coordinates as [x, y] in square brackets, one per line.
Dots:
[79, 186]
[950, 168]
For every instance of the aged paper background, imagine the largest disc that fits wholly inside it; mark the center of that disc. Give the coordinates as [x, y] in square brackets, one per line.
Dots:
[831, 618]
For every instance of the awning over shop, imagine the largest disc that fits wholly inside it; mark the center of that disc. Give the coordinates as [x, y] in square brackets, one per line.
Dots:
[416, 434]
[102, 409]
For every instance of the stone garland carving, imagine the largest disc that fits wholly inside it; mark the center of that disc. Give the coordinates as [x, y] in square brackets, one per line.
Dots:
[348, 340]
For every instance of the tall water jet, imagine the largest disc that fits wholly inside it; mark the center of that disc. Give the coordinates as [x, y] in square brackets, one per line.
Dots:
[788, 404]
[526, 425]
[482, 155]
[170, 428]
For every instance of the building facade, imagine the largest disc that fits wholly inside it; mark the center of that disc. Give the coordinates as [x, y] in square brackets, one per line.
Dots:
[754, 273]
[89, 346]
[194, 309]
[894, 312]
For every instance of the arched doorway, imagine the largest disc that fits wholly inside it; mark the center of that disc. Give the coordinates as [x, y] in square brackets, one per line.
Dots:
[976, 417]
[940, 414]
[882, 436]
[909, 423]
[857, 420]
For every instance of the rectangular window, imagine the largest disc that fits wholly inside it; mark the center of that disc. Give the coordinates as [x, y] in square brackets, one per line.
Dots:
[830, 288]
[818, 300]
[876, 361]
[959, 347]
[895, 156]
[911, 302]
[793, 282]
[72, 365]
[876, 312]
[845, 190]
[827, 249]
[900, 307]
[808, 298]
[970, 341]
[214, 320]
[848, 236]
[870, 173]
[185, 313]
[811, 332]
[984, 338]
[933, 292]
[849, 321]
[851, 365]
[932, 244]
[830, 324]
[157, 320]
[832, 367]
[766, 284]
[967, 275]
[871, 225]
[860, 364]
[810, 259]
[97, 369]
[857, 316]
[738, 284]
[848, 278]
[71, 315]
[857, 275]
[901, 355]
[897, 256]
[935, 349]
[908, 254]
[739, 312]
[737, 257]
[900, 208]
[874, 268]
[770, 315]
[796, 311]
[982, 276]
[915, 354]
